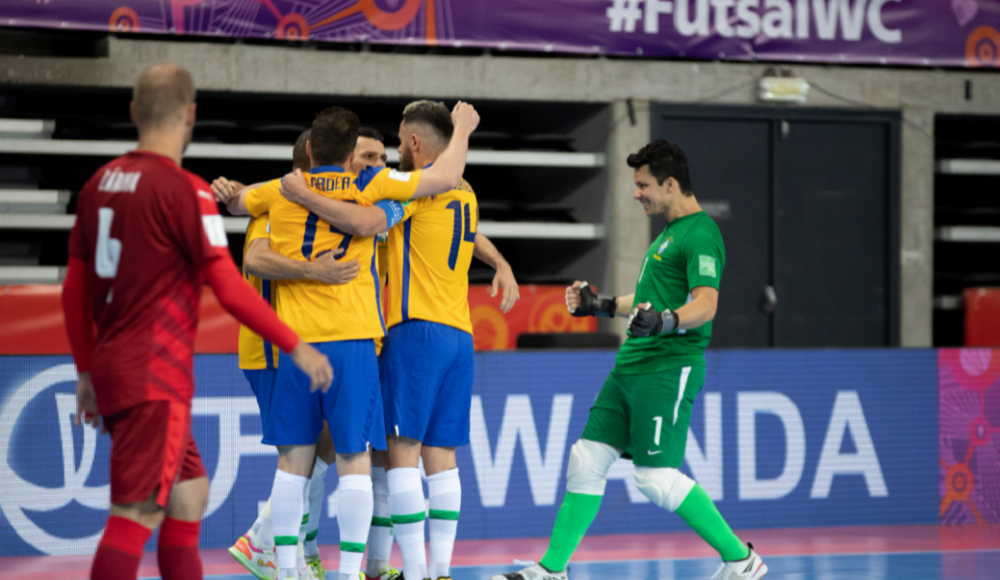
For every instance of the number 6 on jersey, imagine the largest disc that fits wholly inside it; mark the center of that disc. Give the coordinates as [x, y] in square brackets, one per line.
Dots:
[109, 250]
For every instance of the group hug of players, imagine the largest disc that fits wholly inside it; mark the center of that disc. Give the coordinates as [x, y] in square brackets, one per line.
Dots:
[327, 218]
[338, 378]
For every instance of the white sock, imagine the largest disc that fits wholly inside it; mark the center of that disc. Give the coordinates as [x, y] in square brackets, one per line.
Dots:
[380, 534]
[406, 503]
[354, 517]
[286, 517]
[300, 553]
[445, 492]
[316, 494]
[262, 532]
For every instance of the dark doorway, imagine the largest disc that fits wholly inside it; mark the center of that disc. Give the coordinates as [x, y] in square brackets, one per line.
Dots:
[806, 200]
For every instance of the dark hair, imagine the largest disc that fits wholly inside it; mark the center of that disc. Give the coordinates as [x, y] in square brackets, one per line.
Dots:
[665, 160]
[371, 134]
[433, 114]
[333, 136]
[299, 158]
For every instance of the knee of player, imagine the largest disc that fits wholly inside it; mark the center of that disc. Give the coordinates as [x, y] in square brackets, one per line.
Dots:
[589, 462]
[664, 486]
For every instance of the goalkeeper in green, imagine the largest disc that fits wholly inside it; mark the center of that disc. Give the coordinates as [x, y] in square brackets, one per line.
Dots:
[644, 407]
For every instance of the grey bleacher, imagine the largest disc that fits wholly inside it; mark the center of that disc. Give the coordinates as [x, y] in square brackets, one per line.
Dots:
[539, 172]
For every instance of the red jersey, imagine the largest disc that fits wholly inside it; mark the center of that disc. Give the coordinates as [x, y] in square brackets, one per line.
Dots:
[147, 229]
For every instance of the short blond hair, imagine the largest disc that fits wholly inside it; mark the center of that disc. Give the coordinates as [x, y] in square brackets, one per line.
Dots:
[161, 94]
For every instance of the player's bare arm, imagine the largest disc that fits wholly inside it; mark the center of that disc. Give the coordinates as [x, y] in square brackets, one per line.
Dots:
[449, 167]
[702, 308]
[237, 202]
[350, 218]
[265, 263]
[224, 189]
[504, 278]
[624, 303]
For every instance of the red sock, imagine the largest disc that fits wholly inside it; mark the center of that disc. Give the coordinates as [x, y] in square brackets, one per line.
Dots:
[120, 550]
[177, 552]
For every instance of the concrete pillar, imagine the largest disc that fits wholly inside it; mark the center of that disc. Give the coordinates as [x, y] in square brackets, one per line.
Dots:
[629, 225]
[916, 302]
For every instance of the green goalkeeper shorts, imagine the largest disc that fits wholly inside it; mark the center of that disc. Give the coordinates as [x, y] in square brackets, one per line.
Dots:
[647, 415]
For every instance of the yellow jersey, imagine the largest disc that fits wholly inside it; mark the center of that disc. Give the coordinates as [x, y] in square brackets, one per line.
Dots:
[255, 352]
[382, 258]
[429, 257]
[320, 312]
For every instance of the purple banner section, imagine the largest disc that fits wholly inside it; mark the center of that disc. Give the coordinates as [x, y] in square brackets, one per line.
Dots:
[899, 32]
[969, 431]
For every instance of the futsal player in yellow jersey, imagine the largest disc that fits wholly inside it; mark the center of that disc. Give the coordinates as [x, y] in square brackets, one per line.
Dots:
[262, 266]
[342, 322]
[426, 364]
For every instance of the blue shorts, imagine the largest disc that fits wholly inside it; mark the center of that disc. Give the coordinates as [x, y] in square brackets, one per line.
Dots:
[426, 371]
[261, 382]
[294, 416]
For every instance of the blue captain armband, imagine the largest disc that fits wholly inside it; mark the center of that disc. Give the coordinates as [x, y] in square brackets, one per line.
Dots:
[393, 212]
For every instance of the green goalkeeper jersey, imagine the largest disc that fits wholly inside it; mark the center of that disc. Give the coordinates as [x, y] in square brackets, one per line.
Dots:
[687, 254]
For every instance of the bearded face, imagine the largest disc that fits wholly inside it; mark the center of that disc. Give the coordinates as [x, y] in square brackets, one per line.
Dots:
[405, 157]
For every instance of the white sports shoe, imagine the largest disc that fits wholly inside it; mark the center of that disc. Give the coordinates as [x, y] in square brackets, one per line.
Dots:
[532, 572]
[749, 568]
[306, 573]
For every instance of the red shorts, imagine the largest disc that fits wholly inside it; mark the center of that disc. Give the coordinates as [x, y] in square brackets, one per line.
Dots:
[151, 448]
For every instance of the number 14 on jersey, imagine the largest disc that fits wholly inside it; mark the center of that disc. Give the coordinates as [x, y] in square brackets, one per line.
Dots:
[458, 235]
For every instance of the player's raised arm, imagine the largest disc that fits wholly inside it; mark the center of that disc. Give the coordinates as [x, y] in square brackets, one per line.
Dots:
[504, 278]
[447, 170]
[263, 262]
[350, 218]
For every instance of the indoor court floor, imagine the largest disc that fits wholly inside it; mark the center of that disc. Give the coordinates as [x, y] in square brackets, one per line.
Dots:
[853, 552]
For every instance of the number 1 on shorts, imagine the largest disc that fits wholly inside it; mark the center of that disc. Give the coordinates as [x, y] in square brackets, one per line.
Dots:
[659, 426]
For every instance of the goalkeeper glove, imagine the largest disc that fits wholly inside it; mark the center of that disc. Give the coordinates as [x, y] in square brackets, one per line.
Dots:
[645, 321]
[592, 304]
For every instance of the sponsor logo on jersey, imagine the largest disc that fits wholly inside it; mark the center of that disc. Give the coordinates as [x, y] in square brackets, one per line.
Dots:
[399, 175]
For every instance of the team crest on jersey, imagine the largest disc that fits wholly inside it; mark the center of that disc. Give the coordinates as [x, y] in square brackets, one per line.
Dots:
[666, 244]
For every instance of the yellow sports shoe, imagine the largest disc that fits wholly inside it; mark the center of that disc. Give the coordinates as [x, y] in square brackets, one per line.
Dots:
[316, 565]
